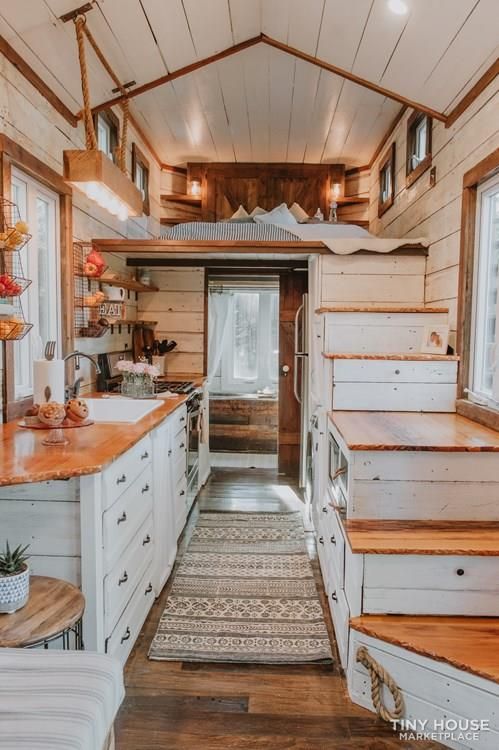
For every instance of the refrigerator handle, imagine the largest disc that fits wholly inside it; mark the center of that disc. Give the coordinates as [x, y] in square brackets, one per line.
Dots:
[297, 355]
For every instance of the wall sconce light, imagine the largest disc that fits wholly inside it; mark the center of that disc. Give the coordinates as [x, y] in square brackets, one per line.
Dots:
[334, 195]
[195, 188]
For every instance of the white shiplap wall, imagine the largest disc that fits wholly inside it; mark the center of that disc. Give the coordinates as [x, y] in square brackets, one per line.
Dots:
[435, 213]
[27, 118]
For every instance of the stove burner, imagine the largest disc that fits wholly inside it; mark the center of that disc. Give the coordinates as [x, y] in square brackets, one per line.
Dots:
[175, 386]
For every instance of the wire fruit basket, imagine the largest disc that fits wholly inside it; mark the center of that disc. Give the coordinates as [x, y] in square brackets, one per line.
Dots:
[14, 236]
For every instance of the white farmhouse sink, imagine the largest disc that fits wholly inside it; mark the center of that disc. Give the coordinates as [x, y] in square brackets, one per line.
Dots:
[116, 409]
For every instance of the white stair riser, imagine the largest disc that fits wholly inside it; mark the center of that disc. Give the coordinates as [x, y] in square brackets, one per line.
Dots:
[383, 371]
[377, 333]
[431, 689]
[427, 397]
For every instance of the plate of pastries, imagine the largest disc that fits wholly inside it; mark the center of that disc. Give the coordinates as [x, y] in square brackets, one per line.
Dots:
[52, 414]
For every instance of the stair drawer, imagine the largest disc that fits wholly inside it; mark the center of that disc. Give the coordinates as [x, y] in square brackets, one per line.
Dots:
[120, 642]
[123, 472]
[335, 545]
[431, 585]
[122, 521]
[121, 582]
[178, 419]
[340, 614]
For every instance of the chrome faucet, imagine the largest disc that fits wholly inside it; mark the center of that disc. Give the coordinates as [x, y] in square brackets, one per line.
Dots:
[72, 391]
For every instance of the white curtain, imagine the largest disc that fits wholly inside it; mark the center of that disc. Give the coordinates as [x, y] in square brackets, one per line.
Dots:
[219, 308]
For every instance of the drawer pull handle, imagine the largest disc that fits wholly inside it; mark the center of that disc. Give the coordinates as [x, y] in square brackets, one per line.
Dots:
[182, 419]
[321, 540]
[144, 456]
[339, 472]
[122, 518]
[170, 452]
[460, 572]
[333, 540]
[121, 479]
[124, 578]
[324, 509]
[182, 445]
[146, 540]
[182, 492]
[148, 589]
[127, 635]
[334, 597]
[145, 488]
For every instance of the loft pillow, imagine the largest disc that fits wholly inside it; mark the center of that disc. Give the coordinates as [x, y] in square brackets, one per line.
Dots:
[241, 213]
[279, 215]
[298, 212]
[257, 212]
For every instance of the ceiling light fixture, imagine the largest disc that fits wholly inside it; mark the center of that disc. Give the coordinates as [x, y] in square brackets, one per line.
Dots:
[398, 6]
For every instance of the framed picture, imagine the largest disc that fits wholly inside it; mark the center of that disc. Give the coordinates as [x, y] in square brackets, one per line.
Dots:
[435, 339]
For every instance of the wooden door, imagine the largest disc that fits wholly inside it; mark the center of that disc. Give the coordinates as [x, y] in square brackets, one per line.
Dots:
[292, 287]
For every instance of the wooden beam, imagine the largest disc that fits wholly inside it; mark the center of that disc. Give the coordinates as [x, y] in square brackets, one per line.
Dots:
[208, 247]
[179, 73]
[232, 265]
[352, 77]
[27, 71]
[473, 93]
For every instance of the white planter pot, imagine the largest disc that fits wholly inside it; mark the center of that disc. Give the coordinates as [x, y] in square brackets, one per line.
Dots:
[14, 591]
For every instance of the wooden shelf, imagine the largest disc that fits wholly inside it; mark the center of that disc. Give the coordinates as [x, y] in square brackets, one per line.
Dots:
[130, 284]
[351, 200]
[192, 200]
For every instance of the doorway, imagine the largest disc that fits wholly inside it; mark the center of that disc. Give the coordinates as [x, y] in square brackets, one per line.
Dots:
[257, 382]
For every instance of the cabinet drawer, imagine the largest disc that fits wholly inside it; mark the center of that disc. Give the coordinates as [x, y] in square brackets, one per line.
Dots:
[178, 419]
[180, 504]
[122, 472]
[335, 546]
[120, 642]
[340, 614]
[179, 443]
[179, 467]
[122, 521]
[126, 574]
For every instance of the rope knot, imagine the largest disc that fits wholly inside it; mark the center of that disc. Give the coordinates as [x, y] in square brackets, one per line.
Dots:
[380, 676]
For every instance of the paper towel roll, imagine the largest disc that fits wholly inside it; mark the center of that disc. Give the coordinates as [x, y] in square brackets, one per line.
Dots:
[51, 374]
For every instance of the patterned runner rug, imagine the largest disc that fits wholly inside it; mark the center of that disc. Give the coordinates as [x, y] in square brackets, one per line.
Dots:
[244, 592]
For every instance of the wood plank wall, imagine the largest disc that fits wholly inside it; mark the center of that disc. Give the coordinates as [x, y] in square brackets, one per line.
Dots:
[28, 119]
[179, 309]
[435, 212]
[243, 425]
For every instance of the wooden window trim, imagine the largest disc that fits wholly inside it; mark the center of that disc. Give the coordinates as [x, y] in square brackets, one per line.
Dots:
[481, 172]
[414, 174]
[14, 155]
[139, 158]
[114, 124]
[388, 161]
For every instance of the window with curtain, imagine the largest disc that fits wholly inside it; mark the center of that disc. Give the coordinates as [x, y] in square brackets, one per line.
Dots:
[485, 344]
[41, 302]
[244, 350]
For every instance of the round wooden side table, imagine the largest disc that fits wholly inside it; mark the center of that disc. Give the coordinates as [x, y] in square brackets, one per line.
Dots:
[54, 610]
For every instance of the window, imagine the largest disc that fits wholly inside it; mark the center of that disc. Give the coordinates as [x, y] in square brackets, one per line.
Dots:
[40, 208]
[107, 128]
[485, 345]
[387, 182]
[251, 350]
[140, 176]
[418, 146]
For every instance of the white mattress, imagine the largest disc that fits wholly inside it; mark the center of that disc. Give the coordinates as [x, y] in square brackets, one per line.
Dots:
[57, 700]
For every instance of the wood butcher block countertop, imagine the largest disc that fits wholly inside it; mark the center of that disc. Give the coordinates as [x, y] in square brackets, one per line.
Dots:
[410, 431]
[23, 458]
[468, 643]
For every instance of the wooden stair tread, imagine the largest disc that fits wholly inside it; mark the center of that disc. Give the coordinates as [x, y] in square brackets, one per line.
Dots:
[467, 643]
[413, 431]
[423, 537]
[396, 357]
[384, 309]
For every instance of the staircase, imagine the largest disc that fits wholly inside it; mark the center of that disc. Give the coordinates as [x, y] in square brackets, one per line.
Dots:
[406, 514]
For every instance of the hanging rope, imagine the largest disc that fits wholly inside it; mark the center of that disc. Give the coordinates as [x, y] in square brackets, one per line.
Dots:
[90, 137]
[82, 31]
[379, 677]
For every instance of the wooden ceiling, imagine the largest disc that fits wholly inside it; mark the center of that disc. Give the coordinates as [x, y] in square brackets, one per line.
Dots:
[263, 104]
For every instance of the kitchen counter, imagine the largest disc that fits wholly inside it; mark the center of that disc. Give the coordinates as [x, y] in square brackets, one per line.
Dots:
[23, 458]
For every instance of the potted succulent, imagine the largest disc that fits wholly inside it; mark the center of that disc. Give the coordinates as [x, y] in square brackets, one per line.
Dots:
[14, 579]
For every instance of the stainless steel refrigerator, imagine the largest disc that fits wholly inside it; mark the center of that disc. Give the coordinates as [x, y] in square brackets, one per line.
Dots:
[301, 382]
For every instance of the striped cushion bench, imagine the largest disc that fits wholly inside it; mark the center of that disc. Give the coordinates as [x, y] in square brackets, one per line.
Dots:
[58, 700]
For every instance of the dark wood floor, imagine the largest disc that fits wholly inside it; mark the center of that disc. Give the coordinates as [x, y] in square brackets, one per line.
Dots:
[187, 706]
